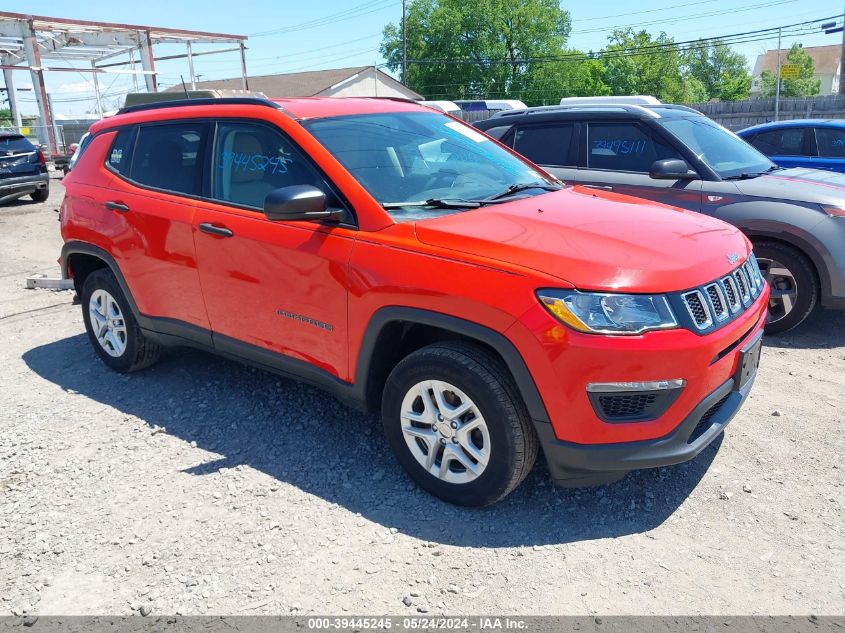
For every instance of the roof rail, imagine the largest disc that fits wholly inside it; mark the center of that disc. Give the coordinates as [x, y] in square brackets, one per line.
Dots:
[180, 103]
[401, 99]
[677, 106]
[603, 107]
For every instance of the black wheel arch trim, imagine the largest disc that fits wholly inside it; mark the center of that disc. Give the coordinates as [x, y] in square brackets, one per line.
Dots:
[806, 248]
[469, 329]
[168, 331]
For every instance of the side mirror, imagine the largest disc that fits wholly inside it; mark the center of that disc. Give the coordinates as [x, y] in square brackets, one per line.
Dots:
[671, 169]
[298, 202]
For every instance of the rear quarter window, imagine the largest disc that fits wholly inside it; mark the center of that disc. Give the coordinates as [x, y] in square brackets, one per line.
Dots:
[120, 154]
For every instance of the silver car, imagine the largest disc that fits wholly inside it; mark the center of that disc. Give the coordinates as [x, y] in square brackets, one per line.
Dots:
[676, 155]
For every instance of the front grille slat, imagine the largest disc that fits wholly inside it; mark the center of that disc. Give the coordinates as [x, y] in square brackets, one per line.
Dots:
[722, 300]
[698, 309]
[743, 284]
[717, 301]
[731, 294]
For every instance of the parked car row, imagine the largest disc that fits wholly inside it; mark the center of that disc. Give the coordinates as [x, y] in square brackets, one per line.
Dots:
[795, 217]
[409, 264]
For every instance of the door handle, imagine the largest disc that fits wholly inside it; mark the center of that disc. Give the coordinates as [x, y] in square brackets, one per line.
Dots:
[604, 187]
[207, 227]
[117, 206]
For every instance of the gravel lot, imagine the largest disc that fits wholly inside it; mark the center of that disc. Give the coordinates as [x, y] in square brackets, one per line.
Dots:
[201, 486]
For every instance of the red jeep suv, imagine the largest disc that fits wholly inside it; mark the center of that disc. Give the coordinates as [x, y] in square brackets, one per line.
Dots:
[407, 263]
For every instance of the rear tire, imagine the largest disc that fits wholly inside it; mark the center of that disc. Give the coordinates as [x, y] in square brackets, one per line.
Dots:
[112, 329]
[793, 282]
[40, 195]
[458, 400]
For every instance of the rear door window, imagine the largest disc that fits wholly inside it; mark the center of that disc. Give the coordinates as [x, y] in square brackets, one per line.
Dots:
[624, 146]
[546, 144]
[783, 142]
[15, 144]
[170, 156]
[831, 142]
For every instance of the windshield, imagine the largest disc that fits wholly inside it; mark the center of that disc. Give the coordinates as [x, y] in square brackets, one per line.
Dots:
[725, 153]
[406, 159]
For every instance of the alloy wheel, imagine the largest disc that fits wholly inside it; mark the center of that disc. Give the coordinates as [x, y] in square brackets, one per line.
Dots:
[784, 288]
[107, 322]
[445, 431]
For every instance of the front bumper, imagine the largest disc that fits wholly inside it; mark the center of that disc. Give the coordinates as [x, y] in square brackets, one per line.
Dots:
[586, 464]
[581, 446]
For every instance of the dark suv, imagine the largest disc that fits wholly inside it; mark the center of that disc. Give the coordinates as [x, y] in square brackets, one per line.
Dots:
[675, 155]
[23, 169]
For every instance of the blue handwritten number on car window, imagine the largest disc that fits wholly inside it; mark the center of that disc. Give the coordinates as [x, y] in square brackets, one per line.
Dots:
[619, 146]
[256, 162]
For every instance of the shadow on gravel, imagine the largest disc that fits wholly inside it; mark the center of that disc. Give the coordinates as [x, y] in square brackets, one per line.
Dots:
[824, 329]
[301, 436]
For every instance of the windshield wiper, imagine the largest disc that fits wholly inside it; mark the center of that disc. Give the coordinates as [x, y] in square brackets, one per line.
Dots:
[436, 203]
[524, 186]
[749, 175]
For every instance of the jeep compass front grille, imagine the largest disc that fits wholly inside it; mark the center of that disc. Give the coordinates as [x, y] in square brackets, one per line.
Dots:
[716, 303]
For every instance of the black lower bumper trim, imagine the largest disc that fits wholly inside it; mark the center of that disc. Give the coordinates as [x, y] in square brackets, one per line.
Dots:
[588, 464]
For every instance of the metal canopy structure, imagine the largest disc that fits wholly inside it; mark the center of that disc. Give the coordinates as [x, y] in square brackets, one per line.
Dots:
[32, 42]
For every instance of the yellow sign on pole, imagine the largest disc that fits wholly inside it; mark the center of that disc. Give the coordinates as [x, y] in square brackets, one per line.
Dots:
[25, 131]
[790, 71]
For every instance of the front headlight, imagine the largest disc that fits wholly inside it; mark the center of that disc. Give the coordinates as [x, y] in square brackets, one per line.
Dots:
[604, 313]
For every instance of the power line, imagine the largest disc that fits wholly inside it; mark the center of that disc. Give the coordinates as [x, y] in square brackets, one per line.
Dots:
[354, 12]
[735, 38]
[686, 18]
[660, 10]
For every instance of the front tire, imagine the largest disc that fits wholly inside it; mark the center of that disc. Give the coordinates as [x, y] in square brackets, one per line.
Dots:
[40, 195]
[457, 425]
[793, 282]
[112, 329]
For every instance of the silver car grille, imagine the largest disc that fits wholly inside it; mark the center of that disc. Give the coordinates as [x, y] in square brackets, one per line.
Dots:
[714, 303]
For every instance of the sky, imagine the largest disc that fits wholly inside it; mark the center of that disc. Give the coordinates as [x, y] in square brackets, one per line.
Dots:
[287, 36]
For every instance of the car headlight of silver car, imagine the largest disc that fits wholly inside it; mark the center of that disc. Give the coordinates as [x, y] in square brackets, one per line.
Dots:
[606, 313]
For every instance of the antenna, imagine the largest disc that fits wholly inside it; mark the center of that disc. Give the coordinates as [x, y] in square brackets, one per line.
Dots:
[184, 87]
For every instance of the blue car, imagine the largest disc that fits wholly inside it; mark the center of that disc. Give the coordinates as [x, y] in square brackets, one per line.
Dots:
[814, 143]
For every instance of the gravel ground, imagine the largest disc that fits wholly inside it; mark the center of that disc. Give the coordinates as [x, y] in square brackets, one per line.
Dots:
[201, 486]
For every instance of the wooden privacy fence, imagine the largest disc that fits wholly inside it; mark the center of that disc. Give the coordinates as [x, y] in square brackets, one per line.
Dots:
[737, 115]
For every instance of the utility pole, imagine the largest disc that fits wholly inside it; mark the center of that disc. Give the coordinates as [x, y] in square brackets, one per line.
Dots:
[97, 90]
[842, 61]
[777, 85]
[405, 43]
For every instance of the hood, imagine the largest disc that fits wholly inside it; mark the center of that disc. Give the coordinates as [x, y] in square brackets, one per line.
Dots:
[595, 240]
[797, 185]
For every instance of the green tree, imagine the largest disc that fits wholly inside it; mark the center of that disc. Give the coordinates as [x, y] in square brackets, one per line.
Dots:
[722, 72]
[637, 63]
[579, 75]
[5, 117]
[464, 49]
[805, 85]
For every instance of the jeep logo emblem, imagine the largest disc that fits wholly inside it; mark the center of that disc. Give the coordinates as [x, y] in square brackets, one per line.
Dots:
[733, 258]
